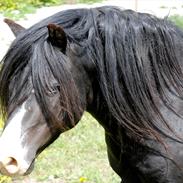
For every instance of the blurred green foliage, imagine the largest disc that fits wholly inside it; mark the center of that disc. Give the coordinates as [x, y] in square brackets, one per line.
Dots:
[177, 19]
[19, 4]
[17, 9]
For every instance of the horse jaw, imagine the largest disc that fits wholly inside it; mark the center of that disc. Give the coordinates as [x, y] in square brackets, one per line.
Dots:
[20, 144]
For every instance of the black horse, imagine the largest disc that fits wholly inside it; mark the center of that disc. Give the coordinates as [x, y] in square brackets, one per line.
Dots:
[123, 67]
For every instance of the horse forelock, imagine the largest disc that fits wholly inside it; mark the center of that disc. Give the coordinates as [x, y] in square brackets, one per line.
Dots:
[136, 56]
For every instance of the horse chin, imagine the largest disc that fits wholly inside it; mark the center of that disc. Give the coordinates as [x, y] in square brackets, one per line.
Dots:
[30, 169]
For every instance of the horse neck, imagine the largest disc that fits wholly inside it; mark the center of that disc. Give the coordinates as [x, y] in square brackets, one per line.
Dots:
[99, 110]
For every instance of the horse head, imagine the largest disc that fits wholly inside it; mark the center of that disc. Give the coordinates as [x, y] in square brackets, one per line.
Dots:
[50, 102]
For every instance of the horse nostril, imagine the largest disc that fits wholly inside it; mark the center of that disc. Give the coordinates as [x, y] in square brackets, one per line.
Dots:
[10, 165]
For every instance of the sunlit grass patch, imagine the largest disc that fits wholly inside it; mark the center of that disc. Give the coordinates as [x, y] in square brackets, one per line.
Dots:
[5, 179]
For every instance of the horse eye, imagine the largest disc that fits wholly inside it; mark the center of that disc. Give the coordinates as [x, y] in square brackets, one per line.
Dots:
[58, 87]
[55, 89]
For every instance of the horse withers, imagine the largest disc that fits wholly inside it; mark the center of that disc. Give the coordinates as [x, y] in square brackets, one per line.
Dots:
[123, 67]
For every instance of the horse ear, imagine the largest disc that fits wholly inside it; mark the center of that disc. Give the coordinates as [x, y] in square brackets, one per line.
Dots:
[57, 36]
[16, 28]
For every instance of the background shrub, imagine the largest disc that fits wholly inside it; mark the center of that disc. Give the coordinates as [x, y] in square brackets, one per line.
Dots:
[177, 19]
[17, 9]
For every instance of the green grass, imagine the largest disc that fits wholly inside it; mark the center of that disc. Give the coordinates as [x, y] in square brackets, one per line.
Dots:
[18, 14]
[79, 155]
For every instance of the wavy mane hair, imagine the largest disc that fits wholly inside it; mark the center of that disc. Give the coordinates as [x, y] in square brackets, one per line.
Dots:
[136, 59]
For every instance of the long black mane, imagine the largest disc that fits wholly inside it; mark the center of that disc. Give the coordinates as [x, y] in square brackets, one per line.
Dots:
[136, 57]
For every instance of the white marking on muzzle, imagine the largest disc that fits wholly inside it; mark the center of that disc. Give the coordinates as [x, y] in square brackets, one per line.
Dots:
[12, 154]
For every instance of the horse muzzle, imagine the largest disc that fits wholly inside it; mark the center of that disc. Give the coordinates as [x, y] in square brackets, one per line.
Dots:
[14, 166]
